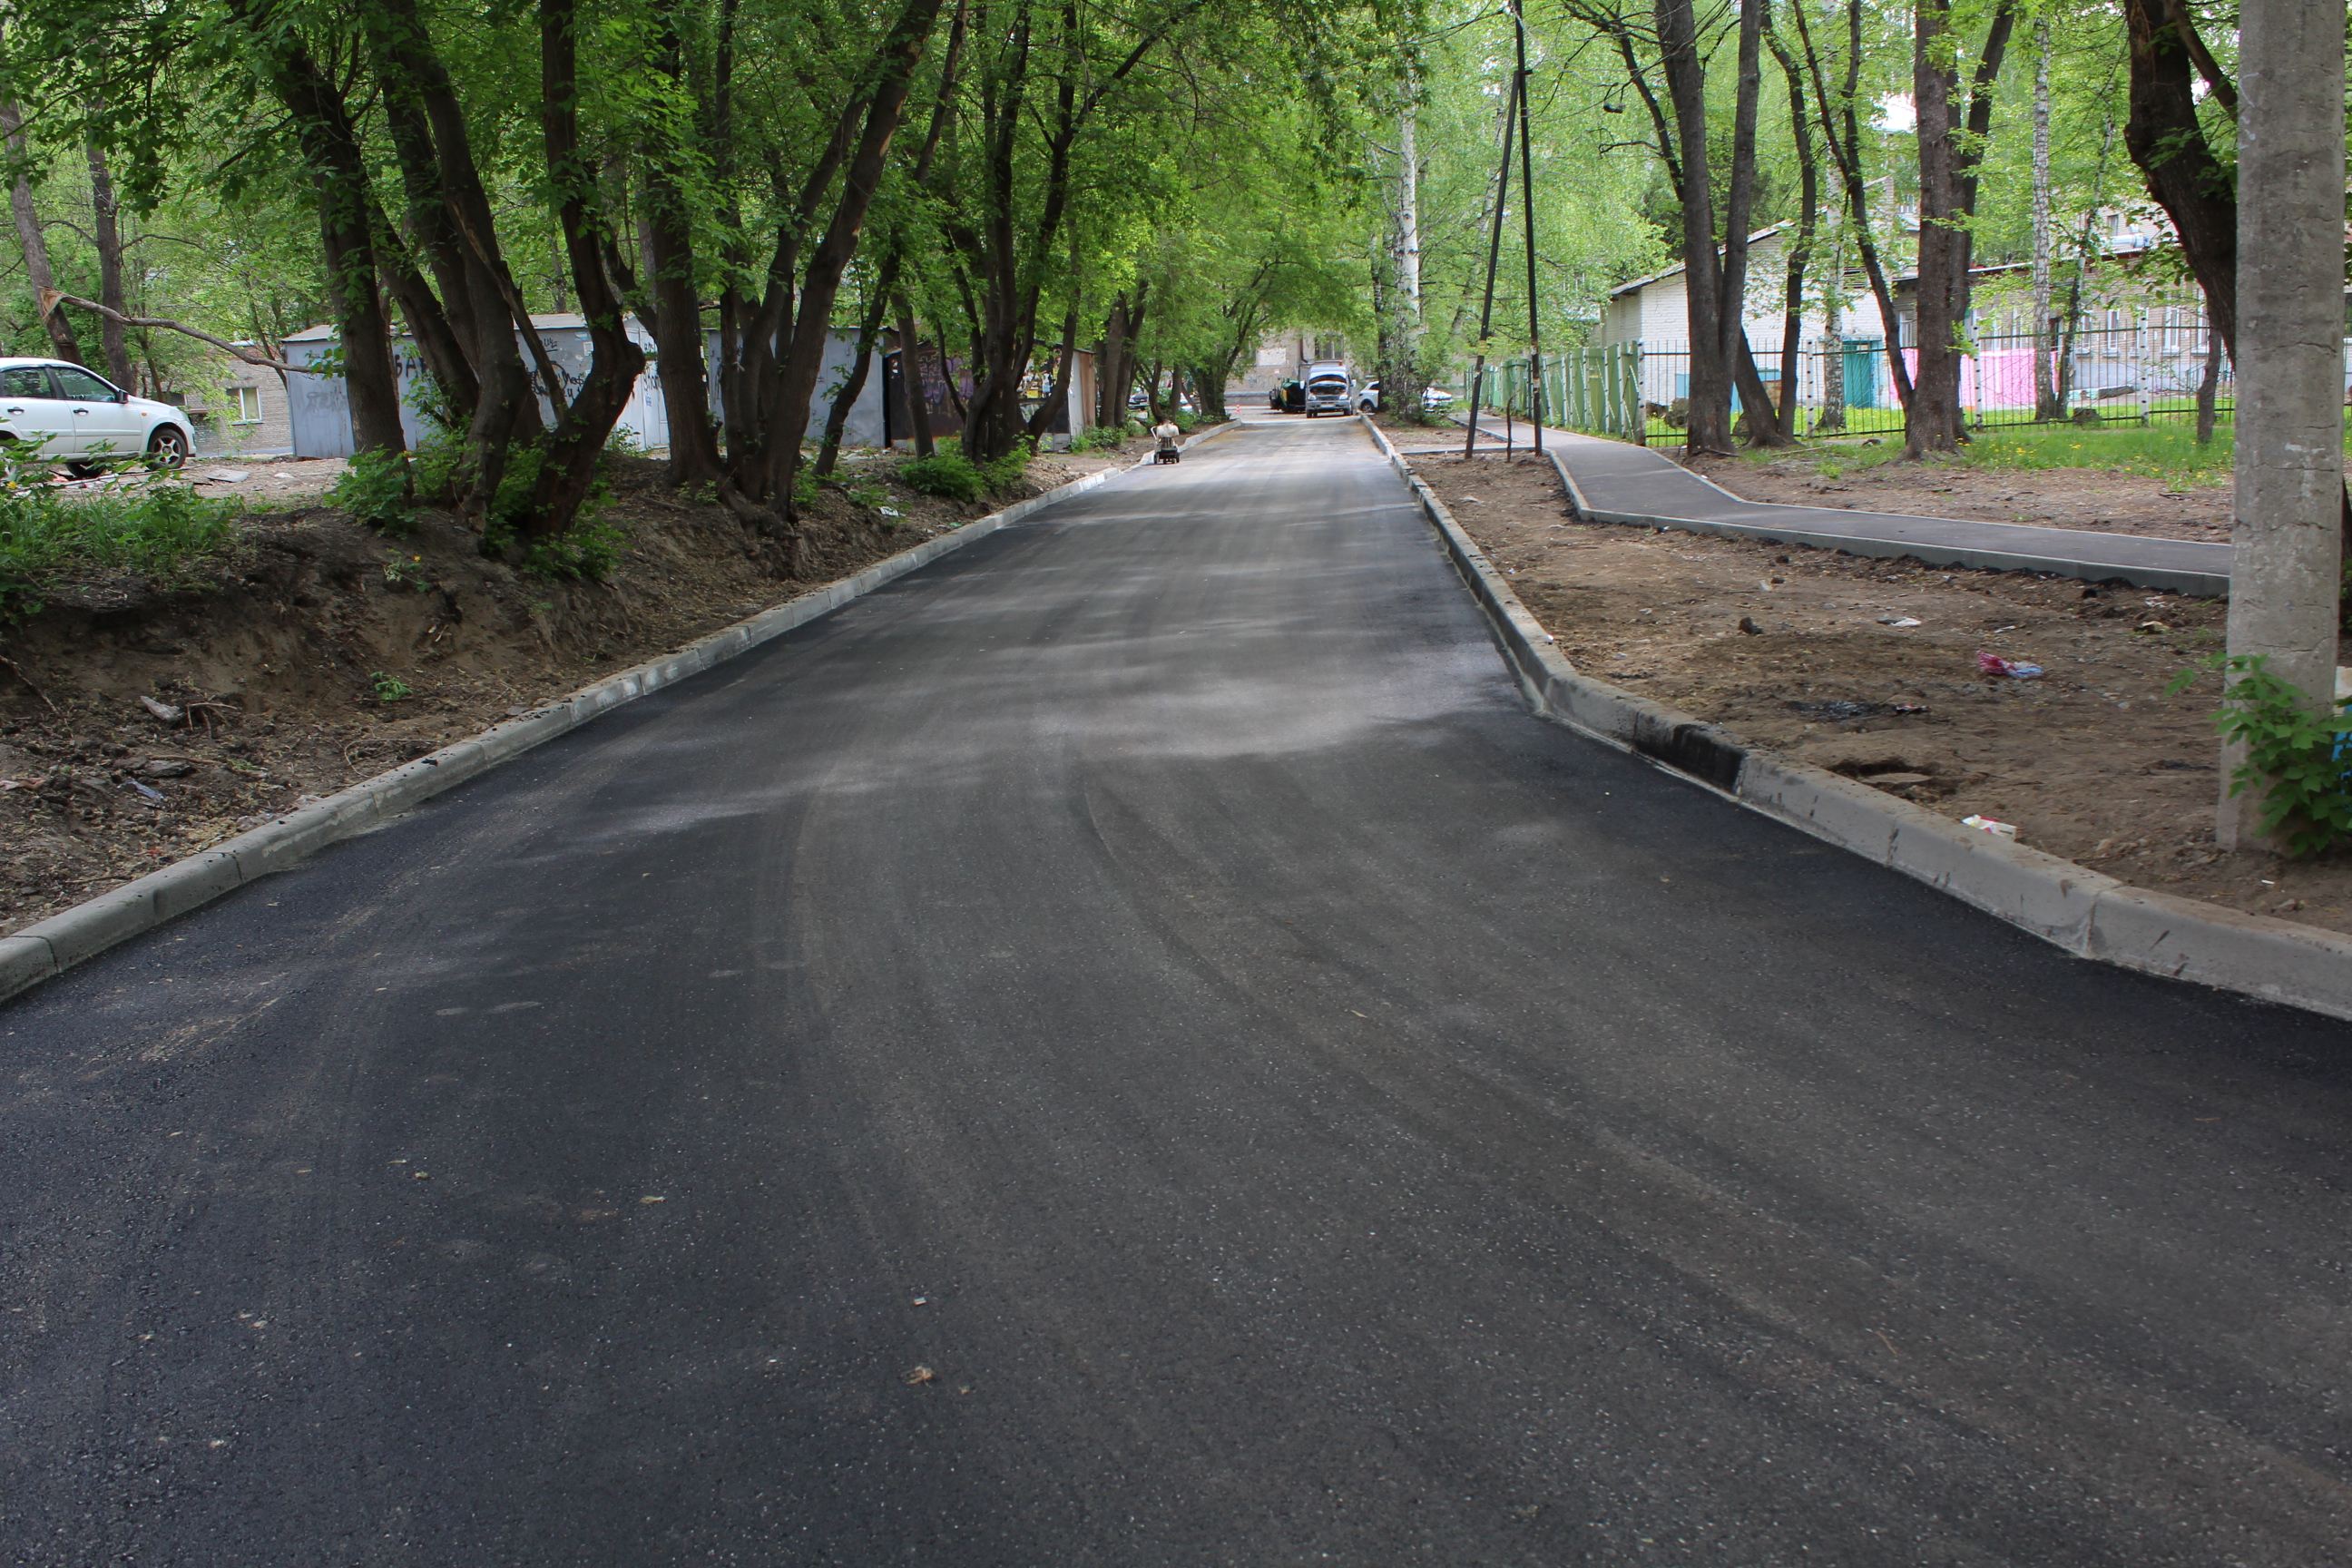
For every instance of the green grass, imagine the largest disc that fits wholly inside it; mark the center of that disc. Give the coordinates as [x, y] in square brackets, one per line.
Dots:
[2164, 448]
[169, 534]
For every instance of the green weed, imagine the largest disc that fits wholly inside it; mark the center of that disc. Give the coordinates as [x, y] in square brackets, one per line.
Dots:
[2292, 755]
[168, 533]
[389, 688]
[375, 489]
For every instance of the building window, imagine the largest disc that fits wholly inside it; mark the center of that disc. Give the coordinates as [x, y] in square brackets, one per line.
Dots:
[245, 406]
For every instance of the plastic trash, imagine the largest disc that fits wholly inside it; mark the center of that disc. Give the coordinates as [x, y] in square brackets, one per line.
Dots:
[1899, 620]
[1987, 824]
[1993, 663]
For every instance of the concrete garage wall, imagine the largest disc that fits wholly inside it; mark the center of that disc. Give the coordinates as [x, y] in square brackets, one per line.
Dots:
[318, 406]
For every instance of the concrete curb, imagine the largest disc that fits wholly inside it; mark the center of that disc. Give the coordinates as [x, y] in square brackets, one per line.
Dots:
[2083, 912]
[2199, 584]
[55, 945]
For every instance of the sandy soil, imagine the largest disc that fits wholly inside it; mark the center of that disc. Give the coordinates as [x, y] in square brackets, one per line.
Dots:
[2092, 761]
[2097, 499]
[324, 653]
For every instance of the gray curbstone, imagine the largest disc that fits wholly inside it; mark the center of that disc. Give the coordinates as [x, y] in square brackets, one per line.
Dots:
[2085, 912]
[24, 961]
[54, 945]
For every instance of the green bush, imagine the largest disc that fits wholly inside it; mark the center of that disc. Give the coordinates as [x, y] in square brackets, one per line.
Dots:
[947, 473]
[375, 490]
[588, 550]
[165, 533]
[1098, 437]
[1002, 473]
[2292, 755]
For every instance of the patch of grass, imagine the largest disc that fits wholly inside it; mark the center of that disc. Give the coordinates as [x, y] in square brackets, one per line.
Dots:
[2165, 451]
[168, 533]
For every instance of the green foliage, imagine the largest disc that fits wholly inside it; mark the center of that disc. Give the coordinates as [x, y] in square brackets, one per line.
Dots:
[409, 574]
[2295, 757]
[588, 552]
[388, 687]
[1000, 474]
[1098, 439]
[947, 473]
[375, 490]
[167, 532]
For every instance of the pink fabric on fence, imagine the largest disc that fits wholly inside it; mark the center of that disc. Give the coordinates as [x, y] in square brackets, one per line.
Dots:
[1992, 381]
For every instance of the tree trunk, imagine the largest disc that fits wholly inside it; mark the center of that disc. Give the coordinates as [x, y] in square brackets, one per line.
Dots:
[1833, 345]
[2167, 141]
[1932, 421]
[432, 238]
[568, 473]
[2046, 406]
[1842, 131]
[1756, 402]
[1709, 429]
[337, 164]
[2209, 386]
[1403, 375]
[2286, 544]
[505, 407]
[107, 234]
[63, 343]
[671, 284]
[836, 418]
[910, 381]
[900, 52]
[1968, 157]
[1792, 312]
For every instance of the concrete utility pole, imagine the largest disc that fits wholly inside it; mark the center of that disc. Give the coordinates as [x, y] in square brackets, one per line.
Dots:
[2283, 574]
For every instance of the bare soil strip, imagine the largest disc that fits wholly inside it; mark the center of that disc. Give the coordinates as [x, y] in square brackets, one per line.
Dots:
[1804, 651]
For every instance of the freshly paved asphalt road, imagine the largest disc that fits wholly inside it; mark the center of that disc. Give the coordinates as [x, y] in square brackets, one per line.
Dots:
[1151, 971]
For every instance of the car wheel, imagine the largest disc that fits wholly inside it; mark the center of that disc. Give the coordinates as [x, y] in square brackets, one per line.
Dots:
[168, 448]
[76, 469]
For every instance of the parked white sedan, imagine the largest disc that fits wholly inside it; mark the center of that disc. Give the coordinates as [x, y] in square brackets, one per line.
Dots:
[51, 410]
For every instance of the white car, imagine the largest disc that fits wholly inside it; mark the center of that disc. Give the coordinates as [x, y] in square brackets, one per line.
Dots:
[51, 410]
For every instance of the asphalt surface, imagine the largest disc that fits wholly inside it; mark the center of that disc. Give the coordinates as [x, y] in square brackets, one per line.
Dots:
[1146, 979]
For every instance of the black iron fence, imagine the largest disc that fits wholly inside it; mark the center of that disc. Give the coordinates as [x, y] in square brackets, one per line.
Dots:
[2133, 375]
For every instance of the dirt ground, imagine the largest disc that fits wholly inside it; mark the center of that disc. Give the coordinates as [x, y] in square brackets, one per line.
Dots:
[2092, 761]
[2097, 499]
[324, 653]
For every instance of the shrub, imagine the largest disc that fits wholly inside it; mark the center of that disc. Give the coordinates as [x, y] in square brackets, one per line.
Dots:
[1097, 437]
[947, 473]
[375, 490]
[589, 550]
[2294, 756]
[1002, 473]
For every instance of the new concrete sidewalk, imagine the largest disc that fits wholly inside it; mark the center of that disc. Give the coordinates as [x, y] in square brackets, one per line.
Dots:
[1615, 481]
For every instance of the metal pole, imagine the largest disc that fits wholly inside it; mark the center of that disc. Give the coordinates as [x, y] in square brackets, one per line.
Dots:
[1528, 223]
[1494, 260]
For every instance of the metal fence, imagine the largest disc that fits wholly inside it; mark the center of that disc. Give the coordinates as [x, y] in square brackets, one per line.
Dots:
[2133, 374]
